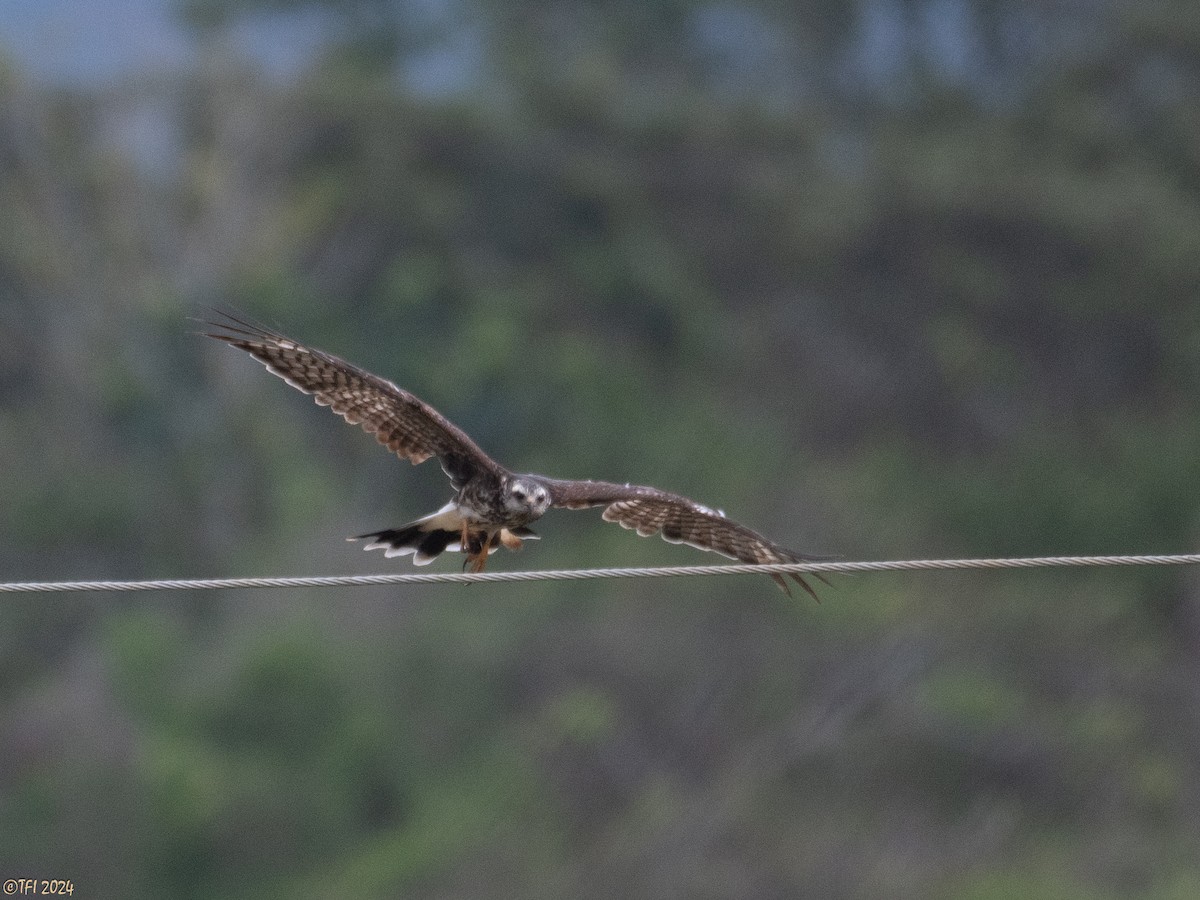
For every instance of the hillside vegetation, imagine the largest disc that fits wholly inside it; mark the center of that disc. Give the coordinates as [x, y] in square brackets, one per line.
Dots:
[879, 301]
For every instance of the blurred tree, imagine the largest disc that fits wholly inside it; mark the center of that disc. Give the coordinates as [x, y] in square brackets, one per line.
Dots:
[930, 265]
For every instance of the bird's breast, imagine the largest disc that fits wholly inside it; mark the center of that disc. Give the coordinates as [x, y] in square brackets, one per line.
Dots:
[482, 503]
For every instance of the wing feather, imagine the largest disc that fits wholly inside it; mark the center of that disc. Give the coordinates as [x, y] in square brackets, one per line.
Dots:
[401, 421]
[648, 511]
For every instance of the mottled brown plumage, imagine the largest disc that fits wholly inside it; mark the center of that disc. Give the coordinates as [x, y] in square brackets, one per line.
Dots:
[493, 506]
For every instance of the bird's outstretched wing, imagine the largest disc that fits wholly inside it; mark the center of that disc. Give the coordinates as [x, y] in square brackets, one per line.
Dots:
[648, 511]
[404, 423]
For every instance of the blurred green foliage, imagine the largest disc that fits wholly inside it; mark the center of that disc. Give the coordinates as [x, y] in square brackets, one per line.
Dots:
[687, 244]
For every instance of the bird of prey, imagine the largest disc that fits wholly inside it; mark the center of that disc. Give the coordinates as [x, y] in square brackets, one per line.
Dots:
[492, 506]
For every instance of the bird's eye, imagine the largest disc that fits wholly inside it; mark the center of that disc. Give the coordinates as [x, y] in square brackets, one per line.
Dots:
[518, 493]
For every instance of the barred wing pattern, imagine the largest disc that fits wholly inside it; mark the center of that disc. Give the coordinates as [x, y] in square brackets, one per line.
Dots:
[649, 511]
[415, 431]
[402, 422]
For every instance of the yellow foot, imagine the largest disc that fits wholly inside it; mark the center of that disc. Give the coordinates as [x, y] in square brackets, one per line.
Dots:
[476, 547]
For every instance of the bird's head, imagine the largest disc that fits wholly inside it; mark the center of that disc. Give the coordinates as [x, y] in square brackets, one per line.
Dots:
[526, 496]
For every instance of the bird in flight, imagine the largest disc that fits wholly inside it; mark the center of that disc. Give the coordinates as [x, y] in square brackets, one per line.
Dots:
[492, 506]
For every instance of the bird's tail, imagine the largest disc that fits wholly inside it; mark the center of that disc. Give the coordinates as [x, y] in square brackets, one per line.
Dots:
[425, 546]
[427, 538]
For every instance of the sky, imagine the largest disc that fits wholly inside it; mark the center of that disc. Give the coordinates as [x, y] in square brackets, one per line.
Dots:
[89, 42]
[98, 42]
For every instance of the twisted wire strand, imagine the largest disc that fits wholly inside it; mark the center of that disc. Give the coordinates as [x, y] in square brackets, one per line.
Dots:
[398, 578]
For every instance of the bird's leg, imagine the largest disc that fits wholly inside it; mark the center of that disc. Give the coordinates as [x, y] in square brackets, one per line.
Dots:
[481, 558]
[466, 546]
[476, 547]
